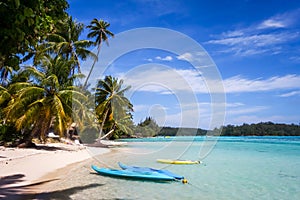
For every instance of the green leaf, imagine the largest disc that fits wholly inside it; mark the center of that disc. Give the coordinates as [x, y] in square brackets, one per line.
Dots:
[30, 21]
[17, 3]
[28, 12]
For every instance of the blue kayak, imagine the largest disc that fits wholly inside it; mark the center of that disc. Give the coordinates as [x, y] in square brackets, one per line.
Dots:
[153, 176]
[148, 169]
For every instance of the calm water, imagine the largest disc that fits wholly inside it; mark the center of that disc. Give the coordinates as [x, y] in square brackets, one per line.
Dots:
[232, 168]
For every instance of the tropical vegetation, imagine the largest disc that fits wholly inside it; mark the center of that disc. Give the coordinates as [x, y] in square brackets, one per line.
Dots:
[147, 128]
[40, 54]
[101, 33]
[258, 129]
[113, 109]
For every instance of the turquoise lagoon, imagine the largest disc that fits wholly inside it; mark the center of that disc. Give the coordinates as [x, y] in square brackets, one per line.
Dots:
[232, 168]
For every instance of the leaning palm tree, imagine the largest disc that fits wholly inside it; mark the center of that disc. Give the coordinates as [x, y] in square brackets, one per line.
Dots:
[100, 32]
[120, 123]
[111, 104]
[41, 103]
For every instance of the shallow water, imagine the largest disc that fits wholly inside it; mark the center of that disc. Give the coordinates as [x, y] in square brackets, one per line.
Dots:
[232, 168]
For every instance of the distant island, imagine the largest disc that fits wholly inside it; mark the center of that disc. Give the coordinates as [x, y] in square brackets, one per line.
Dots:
[259, 129]
[149, 128]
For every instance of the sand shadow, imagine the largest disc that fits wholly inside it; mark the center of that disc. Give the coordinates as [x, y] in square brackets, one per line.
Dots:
[11, 179]
[10, 191]
[96, 144]
[26, 191]
[50, 148]
[64, 194]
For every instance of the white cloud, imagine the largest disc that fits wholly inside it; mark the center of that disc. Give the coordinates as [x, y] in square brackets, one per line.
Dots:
[253, 44]
[271, 23]
[294, 93]
[167, 58]
[239, 84]
[295, 59]
[149, 59]
[171, 81]
[246, 110]
[163, 80]
[256, 40]
[201, 56]
[186, 56]
[282, 20]
[236, 104]
[235, 33]
[141, 107]
[267, 36]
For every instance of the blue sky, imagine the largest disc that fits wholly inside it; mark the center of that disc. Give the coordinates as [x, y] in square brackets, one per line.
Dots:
[255, 46]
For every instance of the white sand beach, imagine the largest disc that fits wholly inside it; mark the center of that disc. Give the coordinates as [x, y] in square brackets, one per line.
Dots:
[21, 170]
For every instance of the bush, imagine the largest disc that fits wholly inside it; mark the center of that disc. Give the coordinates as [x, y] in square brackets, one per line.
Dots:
[89, 135]
[8, 134]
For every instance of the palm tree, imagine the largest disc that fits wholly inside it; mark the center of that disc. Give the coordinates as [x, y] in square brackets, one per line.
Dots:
[65, 42]
[112, 107]
[41, 103]
[98, 30]
[119, 124]
[4, 71]
[60, 67]
[7, 68]
[4, 95]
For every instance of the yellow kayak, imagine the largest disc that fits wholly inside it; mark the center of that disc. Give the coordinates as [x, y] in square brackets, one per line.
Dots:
[178, 162]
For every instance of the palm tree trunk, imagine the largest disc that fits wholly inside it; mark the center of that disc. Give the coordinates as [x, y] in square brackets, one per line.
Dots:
[107, 134]
[90, 72]
[102, 124]
[26, 141]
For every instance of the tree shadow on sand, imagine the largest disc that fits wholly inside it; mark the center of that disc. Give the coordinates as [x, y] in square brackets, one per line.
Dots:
[65, 193]
[50, 148]
[25, 191]
[11, 179]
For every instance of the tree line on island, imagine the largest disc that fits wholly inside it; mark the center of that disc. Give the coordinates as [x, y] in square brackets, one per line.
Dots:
[258, 129]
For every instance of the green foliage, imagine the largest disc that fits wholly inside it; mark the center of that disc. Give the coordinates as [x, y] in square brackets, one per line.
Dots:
[113, 109]
[147, 128]
[41, 95]
[170, 131]
[40, 102]
[25, 23]
[66, 43]
[261, 129]
[89, 135]
[9, 134]
[98, 30]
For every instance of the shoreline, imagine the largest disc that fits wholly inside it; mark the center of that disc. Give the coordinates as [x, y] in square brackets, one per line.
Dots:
[27, 172]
